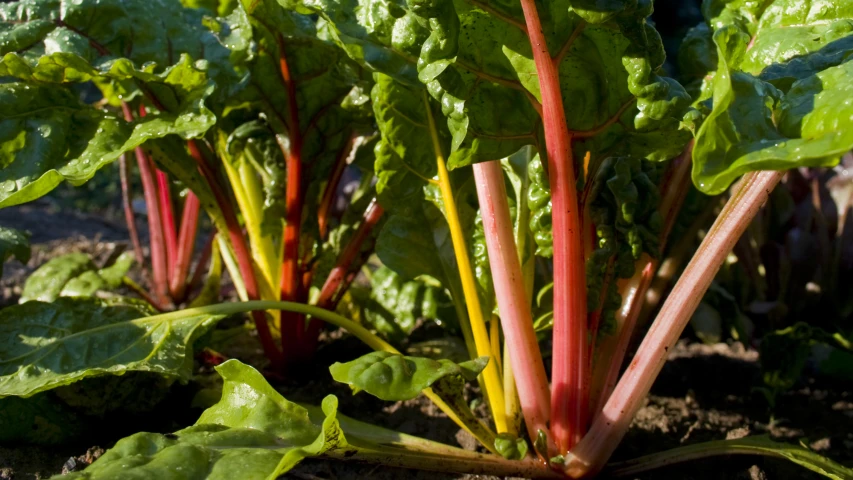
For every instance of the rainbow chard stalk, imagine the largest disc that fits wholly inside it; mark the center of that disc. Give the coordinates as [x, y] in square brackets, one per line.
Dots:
[610, 426]
[527, 366]
[310, 95]
[159, 255]
[569, 377]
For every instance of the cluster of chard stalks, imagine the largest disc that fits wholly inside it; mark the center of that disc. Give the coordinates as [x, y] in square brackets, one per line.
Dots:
[260, 269]
[579, 419]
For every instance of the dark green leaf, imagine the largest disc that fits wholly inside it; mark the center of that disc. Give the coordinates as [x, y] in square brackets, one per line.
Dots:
[39, 420]
[120, 45]
[47, 135]
[396, 377]
[47, 345]
[13, 243]
[394, 305]
[74, 275]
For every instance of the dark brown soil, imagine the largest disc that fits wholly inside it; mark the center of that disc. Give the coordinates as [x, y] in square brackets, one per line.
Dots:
[704, 393]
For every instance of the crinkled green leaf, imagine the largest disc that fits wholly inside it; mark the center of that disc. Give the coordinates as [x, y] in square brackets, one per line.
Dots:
[121, 45]
[476, 60]
[47, 135]
[539, 199]
[395, 377]
[47, 345]
[405, 160]
[252, 433]
[13, 243]
[780, 90]
[326, 84]
[394, 305]
[74, 275]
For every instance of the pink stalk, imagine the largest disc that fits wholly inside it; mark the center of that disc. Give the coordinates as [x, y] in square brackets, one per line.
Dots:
[160, 276]
[167, 211]
[590, 455]
[524, 354]
[185, 247]
[633, 291]
[569, 379]
[612, 351]
[169, 230]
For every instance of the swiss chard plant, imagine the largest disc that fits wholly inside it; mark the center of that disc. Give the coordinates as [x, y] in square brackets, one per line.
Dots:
[522, 169]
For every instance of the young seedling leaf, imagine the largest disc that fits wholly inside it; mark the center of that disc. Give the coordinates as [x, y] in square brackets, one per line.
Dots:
[47, 345]
[74, 275]
[13, 243]
[396, 377]
[510, 447]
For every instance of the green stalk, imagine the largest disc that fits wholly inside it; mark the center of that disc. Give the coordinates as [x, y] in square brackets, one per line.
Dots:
[757, 445]
[474, 463]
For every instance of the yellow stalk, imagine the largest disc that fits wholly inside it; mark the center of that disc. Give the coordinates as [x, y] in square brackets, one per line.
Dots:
[495, 341]
[490, 378]
[247, 192]
[233, 269]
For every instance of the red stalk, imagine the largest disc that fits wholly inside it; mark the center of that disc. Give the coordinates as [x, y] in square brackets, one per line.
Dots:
[590, 455]
[169, 230]
[155, 223]
[569, 379]
[332, 188]
[371, 217]
[128, 211]
[185, 246]
[292, 324]
[341, 275]
[531, 379]
[167, 211]
[241, 252]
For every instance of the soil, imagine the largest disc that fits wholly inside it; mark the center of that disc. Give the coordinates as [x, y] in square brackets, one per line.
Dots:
[705, 392]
